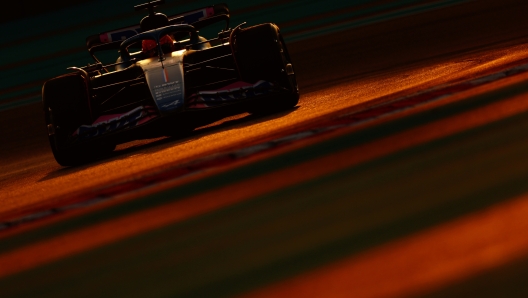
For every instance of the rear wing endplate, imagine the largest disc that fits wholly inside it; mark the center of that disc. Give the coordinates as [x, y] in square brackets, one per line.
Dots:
[198, 18]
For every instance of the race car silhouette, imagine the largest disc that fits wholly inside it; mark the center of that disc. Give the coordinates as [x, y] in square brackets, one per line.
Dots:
[167, 81]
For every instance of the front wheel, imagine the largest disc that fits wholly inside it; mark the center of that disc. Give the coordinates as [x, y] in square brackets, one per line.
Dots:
[66, 107]
[261, 54]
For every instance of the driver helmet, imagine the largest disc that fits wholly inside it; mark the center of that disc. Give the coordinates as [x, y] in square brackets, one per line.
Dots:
[150, 48]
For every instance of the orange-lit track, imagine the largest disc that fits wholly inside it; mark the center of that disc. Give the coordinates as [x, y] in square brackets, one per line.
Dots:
[339, 74]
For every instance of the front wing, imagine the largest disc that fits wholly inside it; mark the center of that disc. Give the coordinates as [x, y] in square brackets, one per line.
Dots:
[204, 102]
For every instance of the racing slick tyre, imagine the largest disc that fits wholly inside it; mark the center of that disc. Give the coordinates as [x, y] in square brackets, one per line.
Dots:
[66, 107]
[261, 54]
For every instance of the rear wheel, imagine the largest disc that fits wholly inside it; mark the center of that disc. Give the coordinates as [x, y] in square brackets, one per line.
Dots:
[261, 54]
[66, 107]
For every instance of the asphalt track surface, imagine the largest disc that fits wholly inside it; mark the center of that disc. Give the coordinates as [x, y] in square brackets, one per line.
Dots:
[402, 172]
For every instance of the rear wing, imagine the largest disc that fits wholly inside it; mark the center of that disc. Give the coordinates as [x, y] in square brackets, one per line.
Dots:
[199, 18]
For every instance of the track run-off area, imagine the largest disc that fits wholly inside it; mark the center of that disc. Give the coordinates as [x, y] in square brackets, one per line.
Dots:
[401, 173]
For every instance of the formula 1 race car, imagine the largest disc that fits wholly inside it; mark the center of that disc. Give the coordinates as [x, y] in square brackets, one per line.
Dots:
[167, 80]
